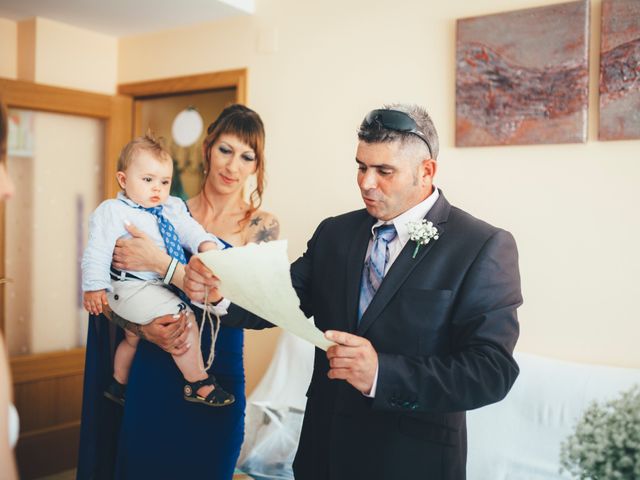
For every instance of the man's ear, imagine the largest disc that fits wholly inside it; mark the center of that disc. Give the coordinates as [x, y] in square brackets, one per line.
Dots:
[122, 179]
[428, 170]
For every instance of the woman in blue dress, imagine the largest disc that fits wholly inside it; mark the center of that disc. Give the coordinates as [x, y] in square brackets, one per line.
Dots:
[158, 435]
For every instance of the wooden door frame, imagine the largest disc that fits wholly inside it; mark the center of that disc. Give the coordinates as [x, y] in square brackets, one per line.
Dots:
[190, 83]
[236, 79]
[29, 371]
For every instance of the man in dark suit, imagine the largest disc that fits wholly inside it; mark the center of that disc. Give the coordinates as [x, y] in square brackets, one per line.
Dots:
[424, 323]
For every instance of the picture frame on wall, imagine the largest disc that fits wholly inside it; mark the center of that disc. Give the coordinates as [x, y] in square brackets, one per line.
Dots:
[619, 84]
[522, 77]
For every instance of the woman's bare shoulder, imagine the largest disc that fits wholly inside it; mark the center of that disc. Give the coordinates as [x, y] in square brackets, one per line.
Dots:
[262, 227]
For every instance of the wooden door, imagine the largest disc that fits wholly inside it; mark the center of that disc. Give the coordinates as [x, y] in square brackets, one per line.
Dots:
[48, 385]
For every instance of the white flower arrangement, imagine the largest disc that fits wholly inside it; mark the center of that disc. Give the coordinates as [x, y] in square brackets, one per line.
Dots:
[606, 441]
[422, 233]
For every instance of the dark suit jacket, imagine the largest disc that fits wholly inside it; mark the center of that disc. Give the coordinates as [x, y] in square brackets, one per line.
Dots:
[444, 325]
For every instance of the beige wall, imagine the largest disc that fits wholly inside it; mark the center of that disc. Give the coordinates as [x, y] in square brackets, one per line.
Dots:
[54, 53]
[62, 49]
[8, 48]
[569, 206]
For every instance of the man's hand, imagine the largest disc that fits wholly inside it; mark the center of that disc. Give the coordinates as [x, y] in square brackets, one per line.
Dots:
[169, 332]
[94, 301]
[139, 253]
[353, 359]
[199, 280]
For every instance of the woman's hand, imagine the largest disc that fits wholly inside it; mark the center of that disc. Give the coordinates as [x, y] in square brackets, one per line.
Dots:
[139, 253]
[169, 332]
[199, 280]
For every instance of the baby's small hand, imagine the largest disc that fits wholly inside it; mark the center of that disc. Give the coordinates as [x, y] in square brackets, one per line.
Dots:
[206, 246]
[93, 301]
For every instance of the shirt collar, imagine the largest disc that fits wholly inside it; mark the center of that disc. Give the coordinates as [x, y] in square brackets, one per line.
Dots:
[121, 196]
[414, 214]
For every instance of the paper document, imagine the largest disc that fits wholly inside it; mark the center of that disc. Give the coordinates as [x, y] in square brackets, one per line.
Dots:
[256, 277]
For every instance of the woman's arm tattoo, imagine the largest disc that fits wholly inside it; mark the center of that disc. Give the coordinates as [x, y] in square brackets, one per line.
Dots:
[262, 232]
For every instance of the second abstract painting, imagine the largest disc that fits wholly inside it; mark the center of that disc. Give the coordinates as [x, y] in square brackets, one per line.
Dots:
[620, 70]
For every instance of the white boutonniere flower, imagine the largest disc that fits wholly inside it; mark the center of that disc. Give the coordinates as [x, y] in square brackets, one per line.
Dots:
[422, 232]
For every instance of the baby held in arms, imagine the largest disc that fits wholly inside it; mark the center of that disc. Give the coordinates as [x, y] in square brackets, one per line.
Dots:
[145, 170]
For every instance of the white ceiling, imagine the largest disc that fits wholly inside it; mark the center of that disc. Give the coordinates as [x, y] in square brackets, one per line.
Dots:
[126, 17]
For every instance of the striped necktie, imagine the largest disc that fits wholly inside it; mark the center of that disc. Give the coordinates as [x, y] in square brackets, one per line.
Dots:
[374, 266]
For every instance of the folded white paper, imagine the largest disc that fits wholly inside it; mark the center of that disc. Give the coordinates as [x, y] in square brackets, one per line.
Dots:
[256, 277]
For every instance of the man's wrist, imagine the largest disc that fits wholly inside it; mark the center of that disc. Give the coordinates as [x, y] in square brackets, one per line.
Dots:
[374, 385]
[219, 308]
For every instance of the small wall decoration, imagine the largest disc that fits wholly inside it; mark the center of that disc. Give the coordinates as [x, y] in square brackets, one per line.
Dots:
[620, 70]
[522, 76]
[20, 141]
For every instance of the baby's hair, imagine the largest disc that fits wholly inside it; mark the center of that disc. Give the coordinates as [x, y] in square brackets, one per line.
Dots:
[148, 142]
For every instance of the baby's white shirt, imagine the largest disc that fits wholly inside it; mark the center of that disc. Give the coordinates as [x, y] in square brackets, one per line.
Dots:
[107, 224]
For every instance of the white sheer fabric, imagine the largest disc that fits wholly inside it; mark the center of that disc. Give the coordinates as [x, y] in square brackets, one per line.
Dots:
[14, 426]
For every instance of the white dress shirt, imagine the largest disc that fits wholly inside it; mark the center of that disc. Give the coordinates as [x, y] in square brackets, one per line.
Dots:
[107, 224]
[414, 214]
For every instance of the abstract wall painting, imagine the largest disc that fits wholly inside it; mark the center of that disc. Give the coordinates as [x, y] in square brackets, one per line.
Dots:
[620, 70]
[522, 76]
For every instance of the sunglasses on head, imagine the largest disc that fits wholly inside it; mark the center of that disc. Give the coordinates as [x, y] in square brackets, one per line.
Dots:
[397, 121]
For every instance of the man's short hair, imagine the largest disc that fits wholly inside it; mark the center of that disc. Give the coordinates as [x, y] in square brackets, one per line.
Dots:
[149, 143]
[376, 132]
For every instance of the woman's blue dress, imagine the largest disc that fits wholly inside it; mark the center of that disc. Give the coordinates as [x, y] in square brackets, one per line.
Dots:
[159, 435]
[163, 436]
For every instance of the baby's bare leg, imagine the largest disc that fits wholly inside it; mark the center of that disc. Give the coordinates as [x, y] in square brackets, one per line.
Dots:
[124, 357]
[190, 363]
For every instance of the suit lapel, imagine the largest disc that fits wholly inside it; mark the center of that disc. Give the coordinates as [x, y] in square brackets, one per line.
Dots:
[403, 266]
[355, 263]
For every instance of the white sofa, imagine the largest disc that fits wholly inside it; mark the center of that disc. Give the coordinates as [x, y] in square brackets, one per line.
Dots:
[516, 439]
[519, 438]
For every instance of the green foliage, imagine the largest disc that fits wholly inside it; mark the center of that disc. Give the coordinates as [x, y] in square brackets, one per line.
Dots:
[606, 441]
